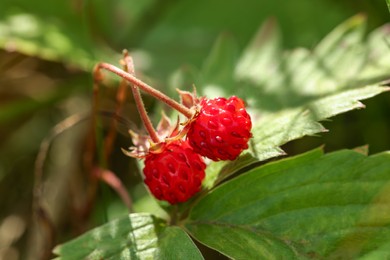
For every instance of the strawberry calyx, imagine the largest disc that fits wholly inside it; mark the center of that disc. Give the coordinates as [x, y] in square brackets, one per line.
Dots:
[166, 131]
[188, 99]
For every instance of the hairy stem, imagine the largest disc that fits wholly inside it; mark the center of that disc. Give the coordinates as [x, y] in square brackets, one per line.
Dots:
[148, 89]
[129, 67]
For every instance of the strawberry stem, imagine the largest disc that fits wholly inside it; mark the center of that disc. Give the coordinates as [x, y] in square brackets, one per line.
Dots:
[129, 67]
[148, 89]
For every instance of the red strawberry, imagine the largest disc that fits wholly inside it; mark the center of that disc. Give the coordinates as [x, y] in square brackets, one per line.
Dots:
[221, 130]
[175, 173]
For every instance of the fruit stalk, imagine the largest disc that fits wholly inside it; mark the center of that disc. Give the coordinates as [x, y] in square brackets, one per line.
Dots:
[129, 67]
[145, 87]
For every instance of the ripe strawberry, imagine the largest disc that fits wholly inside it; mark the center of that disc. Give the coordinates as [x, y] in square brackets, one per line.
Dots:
[221, 130]
[175, 173]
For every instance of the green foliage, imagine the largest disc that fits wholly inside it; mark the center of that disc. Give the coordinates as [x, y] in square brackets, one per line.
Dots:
[313, 204]
[310, 205]
[137, 236]
[134, 235]
[344, 59]
[296, 89]
[45, 35]
[172, 32]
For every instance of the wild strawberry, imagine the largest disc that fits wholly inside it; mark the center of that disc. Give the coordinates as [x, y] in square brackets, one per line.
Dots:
[221, 130]
[175, 173]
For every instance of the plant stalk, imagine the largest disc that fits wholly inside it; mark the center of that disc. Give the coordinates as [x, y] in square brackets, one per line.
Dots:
[129, 67]
[145, 87]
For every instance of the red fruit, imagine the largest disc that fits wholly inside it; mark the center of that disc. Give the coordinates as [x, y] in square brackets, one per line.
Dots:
[176, 173]
[221, 131]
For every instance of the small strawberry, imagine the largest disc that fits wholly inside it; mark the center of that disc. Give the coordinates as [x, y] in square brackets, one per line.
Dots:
[175, 173]
[221, 129]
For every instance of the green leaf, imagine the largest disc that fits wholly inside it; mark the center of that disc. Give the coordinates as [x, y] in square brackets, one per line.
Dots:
[62, 31]
[131, 237]
[378, 56]
[44, 36]
[289, 92]
[275, 129]
[312, 205]
[137, 236]
[262, 56]
[186, 32]
[341, 61]
[272, 80]
[218, 171]
[341, 53]
[176, 244]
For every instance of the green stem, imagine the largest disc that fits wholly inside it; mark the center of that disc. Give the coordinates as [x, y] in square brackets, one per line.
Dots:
[174, 215]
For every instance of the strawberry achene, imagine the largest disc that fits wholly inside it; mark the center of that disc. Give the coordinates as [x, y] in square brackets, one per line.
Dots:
[175, 173]
[221, 130]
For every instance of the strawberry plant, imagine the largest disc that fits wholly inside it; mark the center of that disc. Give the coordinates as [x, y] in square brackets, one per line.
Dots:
[240, 203]
[243, 150]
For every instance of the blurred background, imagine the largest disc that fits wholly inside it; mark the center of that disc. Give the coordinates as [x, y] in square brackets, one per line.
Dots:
[47, 53]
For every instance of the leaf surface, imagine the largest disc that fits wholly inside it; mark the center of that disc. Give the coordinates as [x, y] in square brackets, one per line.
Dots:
[176, 244]
[137, 236]
[290, 92]
[333, 205]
